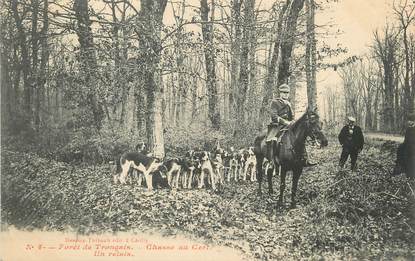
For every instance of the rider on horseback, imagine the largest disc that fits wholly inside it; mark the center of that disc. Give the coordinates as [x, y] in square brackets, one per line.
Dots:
[281, 116]
[281, 113]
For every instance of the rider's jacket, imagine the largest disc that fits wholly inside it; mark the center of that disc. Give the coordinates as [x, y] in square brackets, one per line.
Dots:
[281, 108]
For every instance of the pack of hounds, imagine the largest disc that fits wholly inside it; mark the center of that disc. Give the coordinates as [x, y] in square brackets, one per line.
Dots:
[196, 169]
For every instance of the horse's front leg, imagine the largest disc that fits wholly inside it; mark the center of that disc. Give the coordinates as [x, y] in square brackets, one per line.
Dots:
[283, 173]
[296, 178]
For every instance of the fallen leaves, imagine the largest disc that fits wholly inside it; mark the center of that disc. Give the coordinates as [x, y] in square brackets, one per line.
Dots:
[340, 213]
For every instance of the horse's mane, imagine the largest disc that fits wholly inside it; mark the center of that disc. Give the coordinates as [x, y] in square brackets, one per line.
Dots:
[291, 126]
[295, 124]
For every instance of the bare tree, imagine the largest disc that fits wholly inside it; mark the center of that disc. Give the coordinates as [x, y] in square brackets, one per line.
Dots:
[235, 54]
[288, 40]
[270, 78]
[24, 60]
[246, 56]
[405, 13]
[88, 59]
[386, 50]
[283, 47]
[310, 56]
[151, 22]
[209, 49]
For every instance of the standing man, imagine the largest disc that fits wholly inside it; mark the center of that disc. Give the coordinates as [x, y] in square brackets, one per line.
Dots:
[351, 138]
[405, 156]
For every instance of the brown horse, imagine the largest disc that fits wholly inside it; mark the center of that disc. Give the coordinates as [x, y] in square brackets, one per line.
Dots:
[288, 154]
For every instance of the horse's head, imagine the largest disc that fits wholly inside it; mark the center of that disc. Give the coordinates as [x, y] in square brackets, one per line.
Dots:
[314, 127]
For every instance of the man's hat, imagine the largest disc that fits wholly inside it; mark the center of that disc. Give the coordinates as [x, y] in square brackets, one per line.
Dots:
[350, 118]
[284, 88]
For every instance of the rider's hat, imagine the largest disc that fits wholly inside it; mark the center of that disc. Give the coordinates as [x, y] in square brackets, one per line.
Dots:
[284, 88]
[352, 119]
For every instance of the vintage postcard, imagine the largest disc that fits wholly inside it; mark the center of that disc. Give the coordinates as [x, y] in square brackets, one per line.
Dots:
[207, 130]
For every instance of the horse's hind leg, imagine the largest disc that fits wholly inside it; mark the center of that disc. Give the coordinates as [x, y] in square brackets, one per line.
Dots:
[259, 160]
[269, 177]
[282, 186]
[296, 178]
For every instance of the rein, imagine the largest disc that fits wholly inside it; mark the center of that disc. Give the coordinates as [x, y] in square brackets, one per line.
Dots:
[294, 133]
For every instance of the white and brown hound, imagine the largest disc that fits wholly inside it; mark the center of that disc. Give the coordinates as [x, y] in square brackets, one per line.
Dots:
[173, 168]
[206, 168]
[138, 161]
[232, 165]
[189, 163]
[249, 164]
[218, 164]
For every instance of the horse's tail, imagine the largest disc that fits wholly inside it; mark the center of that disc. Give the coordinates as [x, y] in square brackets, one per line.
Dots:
[257, 144]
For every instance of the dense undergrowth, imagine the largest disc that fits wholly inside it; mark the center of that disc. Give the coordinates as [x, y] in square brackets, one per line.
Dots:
[340, 214]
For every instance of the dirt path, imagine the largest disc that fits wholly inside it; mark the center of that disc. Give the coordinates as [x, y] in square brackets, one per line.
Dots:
[384, 136]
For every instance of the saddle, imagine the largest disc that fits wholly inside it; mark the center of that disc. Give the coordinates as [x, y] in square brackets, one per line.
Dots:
[275, 132]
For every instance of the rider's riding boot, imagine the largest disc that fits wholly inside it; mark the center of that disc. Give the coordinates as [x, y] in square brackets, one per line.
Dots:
[269, 148]
[268, 141]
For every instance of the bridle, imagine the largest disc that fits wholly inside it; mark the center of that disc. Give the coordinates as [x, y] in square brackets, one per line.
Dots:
[311, 121]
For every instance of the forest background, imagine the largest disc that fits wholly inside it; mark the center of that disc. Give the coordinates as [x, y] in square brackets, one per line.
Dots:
[83, 80]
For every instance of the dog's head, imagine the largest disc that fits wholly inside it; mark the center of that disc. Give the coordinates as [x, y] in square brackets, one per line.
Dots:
[190, 154]
[155, 165]
[204, 156]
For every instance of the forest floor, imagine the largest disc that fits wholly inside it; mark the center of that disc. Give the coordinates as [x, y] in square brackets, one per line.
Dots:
[340, 214]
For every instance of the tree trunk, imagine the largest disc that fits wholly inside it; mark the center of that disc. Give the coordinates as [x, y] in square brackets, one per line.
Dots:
[248, 25]
[25, 65]
[235, 56]
[288, 40]
[252, 85]
[6, 101]
[150, 47]
[311, 56]
[88, 59]
[388, 97]
[35, 70]
[209, 51]
[386, 51]
[139, 108]
[270, 78]
[43, 64]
